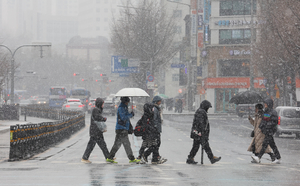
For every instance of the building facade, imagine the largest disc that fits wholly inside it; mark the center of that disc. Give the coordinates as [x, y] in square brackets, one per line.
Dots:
[226, 57]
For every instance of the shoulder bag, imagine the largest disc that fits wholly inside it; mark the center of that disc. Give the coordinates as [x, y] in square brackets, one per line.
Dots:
[100, 124]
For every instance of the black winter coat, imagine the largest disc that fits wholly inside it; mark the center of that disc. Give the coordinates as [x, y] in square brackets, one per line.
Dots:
[200, 122]
[97, 115]
[269, 121]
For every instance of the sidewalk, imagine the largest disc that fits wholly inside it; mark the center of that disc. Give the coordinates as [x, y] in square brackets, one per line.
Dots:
[5, 124]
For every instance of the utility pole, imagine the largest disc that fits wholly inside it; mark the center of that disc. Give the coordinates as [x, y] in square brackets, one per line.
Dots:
[251, 49]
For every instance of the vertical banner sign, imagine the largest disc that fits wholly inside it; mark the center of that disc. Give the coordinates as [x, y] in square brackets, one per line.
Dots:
[200, 39]
[206, 34]
[200, 22]
[207, 12]
[200, 6]
[194, 29]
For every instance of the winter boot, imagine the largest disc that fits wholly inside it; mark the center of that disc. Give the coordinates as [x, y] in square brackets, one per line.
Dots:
[215, 159]
[161, 160]
[191, 161]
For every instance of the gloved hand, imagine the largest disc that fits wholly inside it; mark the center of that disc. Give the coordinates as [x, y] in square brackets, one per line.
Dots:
[132, 113]
[104, 118]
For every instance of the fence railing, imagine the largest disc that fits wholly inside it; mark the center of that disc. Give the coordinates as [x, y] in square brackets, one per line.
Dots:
[44, 111]
[9, 112]
[30, 139]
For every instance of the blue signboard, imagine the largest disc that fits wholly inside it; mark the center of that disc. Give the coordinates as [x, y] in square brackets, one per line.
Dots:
[117, 67]
[177, 65]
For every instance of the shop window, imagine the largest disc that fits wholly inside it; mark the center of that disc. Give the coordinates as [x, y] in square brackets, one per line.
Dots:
[237, 7]
[235, 36]
[234, 68]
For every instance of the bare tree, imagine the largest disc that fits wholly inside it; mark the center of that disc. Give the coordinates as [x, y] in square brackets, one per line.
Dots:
[144, 31]
[278, 52]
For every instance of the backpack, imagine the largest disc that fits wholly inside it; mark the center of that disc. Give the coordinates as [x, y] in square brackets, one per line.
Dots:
[141, 126]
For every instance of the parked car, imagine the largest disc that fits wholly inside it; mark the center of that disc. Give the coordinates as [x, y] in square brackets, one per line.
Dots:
[91, 105]
[73, 104]
[288, 121]
[245, 109]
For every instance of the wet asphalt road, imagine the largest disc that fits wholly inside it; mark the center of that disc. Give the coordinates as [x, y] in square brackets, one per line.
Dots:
[229, 138]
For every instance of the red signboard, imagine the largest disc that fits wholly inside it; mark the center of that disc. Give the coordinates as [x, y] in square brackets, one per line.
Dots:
[200, 40]
[239, 82]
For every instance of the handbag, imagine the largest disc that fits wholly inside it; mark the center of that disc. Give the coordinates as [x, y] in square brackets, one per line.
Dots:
[101, 125]
[252, 134]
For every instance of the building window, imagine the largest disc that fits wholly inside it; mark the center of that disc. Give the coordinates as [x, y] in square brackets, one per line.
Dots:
[177, 13]
[234, 68]
[236, 7]
[175, 77]
[235, 36]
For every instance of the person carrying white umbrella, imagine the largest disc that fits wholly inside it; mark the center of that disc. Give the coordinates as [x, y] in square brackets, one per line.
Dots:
[122, 128]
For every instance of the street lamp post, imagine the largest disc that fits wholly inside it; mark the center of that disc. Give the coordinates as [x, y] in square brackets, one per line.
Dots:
[12, 87]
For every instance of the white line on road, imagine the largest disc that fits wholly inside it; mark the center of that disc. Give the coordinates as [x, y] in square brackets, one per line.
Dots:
[241, 159]
[247, 127]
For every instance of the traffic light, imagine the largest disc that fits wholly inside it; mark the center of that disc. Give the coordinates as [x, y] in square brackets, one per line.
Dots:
[109, 80]
[82, 80]
[96, 80]
[103, 75]
[75, 74]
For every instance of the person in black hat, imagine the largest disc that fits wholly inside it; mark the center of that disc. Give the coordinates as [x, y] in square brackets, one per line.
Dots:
[122, 127]
[200, 134]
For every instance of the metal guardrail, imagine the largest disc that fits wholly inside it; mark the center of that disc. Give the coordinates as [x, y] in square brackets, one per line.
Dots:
[30, 139]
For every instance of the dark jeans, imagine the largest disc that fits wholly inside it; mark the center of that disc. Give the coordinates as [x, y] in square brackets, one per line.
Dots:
[121, 138]
[256, 154]
[154, 150]
[269, 140]
[91, 144]
[196, 146]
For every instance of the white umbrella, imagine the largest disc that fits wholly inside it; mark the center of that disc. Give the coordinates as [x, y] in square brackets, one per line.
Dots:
[132, 92]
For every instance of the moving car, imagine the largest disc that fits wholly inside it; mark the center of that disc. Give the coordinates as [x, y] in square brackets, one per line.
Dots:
[41, 101]
[73, 104]
[288, 121]
[91, 105]
[109, 107]
[24, 102]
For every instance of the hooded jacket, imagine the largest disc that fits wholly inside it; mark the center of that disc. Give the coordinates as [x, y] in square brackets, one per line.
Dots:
[124, 115]
[200, 122]
[156, 117]
[147, 120]
[96, 116]
[269, 121]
